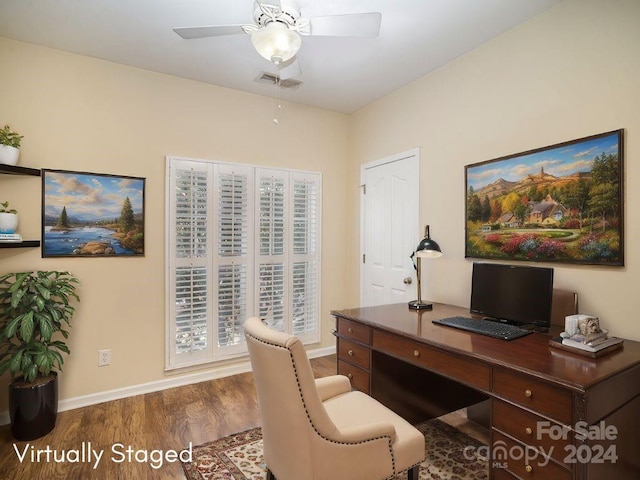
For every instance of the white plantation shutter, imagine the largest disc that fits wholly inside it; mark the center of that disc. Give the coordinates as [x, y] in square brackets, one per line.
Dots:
[305, 290]
[242, 241]
[233, 198]
[271, 205]
[232, 304]
[189, 271]
[306, 214]
[271, 295]
[191, 309]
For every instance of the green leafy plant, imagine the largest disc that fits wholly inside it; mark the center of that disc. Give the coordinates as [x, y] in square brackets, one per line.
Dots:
[9, 137]
[34, 307]
[4, 208]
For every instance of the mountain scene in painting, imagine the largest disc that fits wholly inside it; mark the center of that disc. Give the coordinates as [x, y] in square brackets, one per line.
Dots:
[562, 203]
[92, 215]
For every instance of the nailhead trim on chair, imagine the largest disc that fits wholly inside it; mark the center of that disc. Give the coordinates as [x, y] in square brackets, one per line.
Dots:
[393, 463]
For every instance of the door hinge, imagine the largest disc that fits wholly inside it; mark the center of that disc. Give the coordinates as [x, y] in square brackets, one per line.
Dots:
[364, 257]
[364, 188]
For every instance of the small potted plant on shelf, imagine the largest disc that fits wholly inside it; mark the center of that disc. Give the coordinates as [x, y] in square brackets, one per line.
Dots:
[8, 219]
[9, 145]
[35, 310]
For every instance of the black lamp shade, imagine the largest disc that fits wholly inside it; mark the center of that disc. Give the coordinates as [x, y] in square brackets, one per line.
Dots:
[428, 248]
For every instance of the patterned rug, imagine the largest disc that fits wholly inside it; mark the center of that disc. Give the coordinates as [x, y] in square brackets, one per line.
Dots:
[451, 455]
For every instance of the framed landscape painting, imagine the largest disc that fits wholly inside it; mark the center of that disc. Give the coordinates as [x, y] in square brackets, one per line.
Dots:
[562, 203]
[92, 215]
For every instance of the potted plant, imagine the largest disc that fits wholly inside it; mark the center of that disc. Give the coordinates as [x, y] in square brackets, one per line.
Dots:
[9, 146]
[35, 311]
[8, 218]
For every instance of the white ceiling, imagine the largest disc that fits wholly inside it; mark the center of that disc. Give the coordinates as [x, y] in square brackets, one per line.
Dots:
[339, 74]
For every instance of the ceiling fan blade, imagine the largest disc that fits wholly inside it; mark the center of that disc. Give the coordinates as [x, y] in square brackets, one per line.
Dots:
[208, 31]
[351, 25]
[290, 70]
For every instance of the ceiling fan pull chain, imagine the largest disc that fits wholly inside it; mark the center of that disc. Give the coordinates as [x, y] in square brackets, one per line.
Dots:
[278, 104]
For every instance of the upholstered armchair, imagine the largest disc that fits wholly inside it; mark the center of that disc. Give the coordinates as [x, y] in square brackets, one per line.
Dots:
[321, 429]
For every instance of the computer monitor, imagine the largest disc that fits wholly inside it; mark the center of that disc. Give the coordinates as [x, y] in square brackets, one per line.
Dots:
[520, 295]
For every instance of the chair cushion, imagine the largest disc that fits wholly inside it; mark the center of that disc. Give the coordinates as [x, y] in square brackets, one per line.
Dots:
[354, 409]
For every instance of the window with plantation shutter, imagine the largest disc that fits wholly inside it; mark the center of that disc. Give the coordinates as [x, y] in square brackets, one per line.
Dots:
[271, 206]
[305, 224]
[189, 272]
[241, 241]
[232, 198]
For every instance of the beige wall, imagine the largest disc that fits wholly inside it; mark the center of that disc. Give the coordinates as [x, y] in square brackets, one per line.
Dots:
[569, 73]
[82, 114]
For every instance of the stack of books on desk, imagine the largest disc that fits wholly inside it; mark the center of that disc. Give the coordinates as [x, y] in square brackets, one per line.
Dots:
[10, 237]
[594, 344]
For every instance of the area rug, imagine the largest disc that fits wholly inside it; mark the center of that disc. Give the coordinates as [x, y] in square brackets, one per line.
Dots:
[451, 455]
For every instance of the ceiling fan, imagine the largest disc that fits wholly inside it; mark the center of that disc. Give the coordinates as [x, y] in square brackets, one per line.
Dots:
[278, 25]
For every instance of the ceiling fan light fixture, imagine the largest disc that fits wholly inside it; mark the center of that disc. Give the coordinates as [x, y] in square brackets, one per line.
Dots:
[276, 42]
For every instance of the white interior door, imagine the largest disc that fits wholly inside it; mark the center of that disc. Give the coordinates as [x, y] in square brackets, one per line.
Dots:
[389, 229]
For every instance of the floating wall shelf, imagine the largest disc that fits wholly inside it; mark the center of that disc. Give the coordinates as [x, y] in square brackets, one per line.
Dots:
[15, 170]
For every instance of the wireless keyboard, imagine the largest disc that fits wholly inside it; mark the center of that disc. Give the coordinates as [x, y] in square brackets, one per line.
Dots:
[484, 327]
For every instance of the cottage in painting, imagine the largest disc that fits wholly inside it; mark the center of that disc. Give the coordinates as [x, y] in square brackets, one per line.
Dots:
[547, 212]
[509, 220]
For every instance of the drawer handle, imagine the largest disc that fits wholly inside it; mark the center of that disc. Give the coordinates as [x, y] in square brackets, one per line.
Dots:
[416, 353]
[350, 376]
[528, 430]
[528, 393]
[350, 353]
[528, 468]
[350, 330]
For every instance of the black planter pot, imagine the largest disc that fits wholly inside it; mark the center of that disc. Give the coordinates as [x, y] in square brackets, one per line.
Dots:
[33, 407]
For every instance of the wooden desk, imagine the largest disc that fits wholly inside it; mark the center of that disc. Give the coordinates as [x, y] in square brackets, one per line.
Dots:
[536, 393]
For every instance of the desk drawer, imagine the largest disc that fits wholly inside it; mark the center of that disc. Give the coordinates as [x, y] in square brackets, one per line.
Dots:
[359, 378]
[502, 474]
[534, 465]
[524, 426]
[353, 353]
[467, 371]
[354, 330]
[534, 394]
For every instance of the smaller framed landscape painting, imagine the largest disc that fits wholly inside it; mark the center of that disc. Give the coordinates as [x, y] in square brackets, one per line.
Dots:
[562, 203]
[91, 215]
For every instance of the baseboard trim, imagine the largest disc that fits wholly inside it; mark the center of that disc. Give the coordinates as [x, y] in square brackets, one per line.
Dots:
[172, 382]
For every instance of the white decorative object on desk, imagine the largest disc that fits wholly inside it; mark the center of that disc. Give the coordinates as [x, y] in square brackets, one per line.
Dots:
[583, 332]
[581, 323]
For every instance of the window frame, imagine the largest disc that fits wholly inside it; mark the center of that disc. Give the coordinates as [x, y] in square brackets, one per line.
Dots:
[213, 259]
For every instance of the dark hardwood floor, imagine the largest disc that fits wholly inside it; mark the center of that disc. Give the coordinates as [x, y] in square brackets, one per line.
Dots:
[166, 420]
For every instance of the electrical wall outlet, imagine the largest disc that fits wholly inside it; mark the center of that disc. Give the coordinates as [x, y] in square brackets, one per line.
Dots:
[104, 357]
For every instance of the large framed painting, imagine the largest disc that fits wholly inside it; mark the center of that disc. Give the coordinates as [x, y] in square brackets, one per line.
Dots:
[91, 214]
[561, 203]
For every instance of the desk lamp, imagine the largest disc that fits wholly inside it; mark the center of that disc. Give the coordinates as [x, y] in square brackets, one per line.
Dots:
[427, 248]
